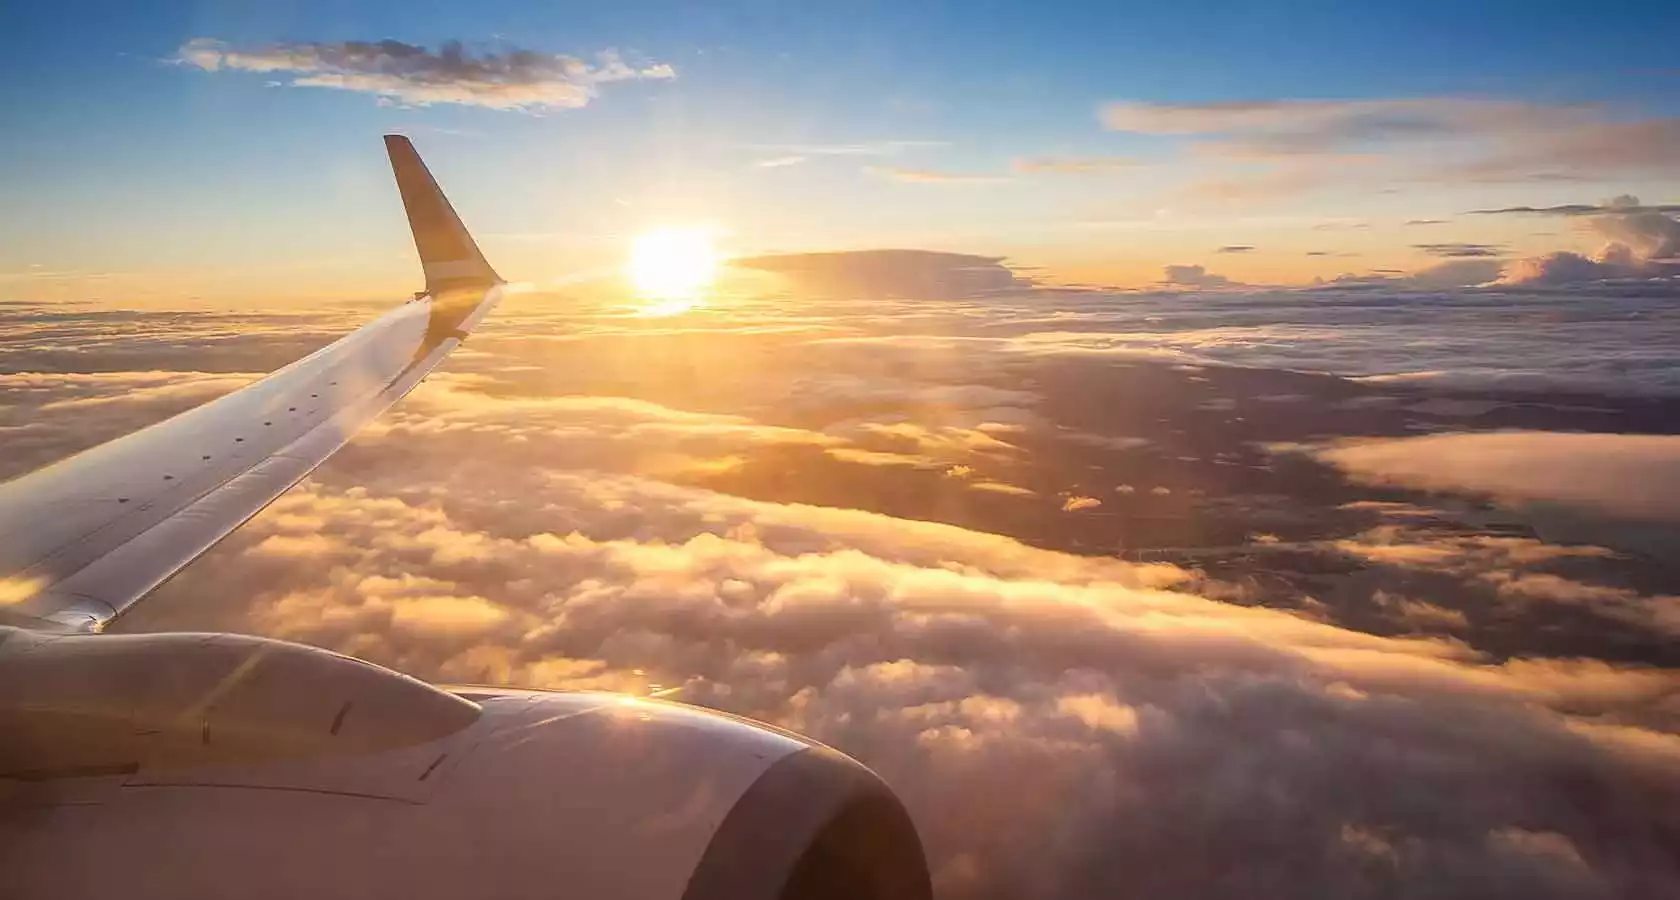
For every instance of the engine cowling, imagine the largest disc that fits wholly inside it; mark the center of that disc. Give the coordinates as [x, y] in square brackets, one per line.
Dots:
[375, 785]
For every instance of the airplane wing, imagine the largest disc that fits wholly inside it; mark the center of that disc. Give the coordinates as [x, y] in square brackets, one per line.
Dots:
[204, 766]
[84, 539]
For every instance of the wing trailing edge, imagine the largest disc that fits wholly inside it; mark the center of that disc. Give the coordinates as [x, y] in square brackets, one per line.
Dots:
[87, 537]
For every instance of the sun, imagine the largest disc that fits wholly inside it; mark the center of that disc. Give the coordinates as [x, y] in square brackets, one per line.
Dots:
[673, 263]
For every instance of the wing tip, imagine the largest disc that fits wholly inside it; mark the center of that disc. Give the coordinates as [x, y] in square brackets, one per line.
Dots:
[448, 253]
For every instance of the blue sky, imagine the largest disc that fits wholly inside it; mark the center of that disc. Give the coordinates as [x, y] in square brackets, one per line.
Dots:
[120, 158]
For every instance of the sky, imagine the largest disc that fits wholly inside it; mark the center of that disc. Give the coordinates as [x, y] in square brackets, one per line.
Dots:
[169, 151]
[1246, 430]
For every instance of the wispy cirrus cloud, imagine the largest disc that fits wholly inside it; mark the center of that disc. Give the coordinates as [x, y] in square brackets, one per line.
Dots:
[860, 148]
[931, 176]
[1287, 147]
[1294, 127]
[1074, 165]
[526, 80]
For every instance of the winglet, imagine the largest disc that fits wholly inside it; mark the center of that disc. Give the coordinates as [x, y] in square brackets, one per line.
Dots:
[447, 252]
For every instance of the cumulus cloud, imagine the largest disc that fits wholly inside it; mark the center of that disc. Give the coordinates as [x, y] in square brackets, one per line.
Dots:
[1566, 267]
[514, 79]
[1288, 751]
[921, 274]
[1456, 273]
[1460, 250]
[1642, 242]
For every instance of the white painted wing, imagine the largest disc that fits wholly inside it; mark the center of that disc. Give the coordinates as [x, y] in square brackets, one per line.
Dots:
[85, 538]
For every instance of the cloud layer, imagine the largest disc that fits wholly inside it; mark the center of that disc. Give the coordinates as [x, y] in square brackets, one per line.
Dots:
[1281, 688]
[515, 79]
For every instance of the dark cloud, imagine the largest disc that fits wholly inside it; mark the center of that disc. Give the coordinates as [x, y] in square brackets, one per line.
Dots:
[1460, 250]
[1194, 277]
[1625, 203]
[1235, 248]
[921, 274]
[409, 74]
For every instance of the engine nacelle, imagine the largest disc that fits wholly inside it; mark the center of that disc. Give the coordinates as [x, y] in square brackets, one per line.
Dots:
[267, 769]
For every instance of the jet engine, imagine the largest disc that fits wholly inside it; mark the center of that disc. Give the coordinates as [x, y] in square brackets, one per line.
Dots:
[188, 766]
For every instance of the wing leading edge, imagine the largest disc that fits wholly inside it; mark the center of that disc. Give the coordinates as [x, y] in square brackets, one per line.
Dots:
[84, 539]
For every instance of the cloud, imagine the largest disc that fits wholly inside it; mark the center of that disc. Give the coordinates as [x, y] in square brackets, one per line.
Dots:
[998, 487]
[865, 148]
[1160, 729]
[514, 79]
[1076, 503]
[1194, 277]
[1591, 151]
[779, 162]
[1426, 221]
[1460, 250]
[1292, 752]
[931, 176]
[1565, 267]
[1294, 127]
[1074, 165]
[919, 274]
[1625, 203]
[1235, 248]
[1643, 242]
[1456, 273]
[1627, 475]
[1294, 146]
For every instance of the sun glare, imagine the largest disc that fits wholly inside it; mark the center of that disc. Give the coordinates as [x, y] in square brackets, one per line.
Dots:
[673, 264]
